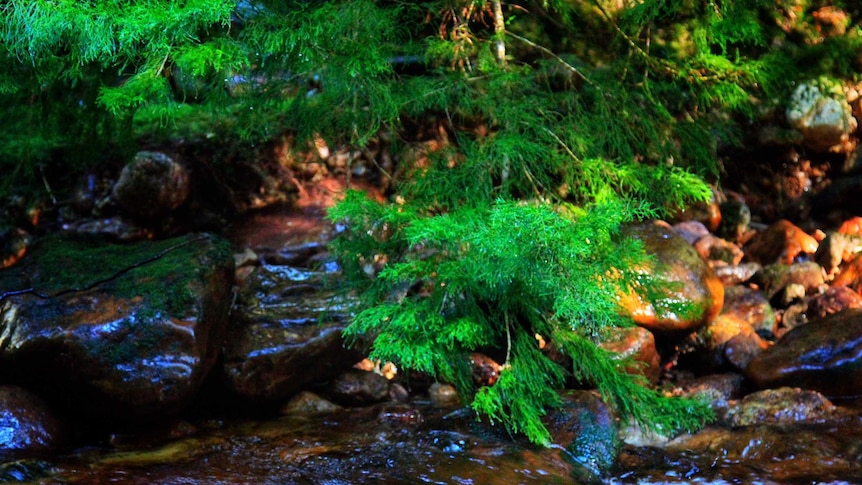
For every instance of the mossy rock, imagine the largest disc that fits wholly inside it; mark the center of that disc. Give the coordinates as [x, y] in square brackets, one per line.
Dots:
[113, 329]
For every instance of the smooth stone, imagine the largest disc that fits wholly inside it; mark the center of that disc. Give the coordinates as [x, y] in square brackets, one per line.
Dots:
[824, 356]
[751, 306]
[782, 405]
[288, 334]
[358, 388]
[151, 185]
[637, 344]
[585, 426]
[690, 282]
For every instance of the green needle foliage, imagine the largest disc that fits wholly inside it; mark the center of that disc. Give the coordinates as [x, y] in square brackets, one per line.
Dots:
[557, 121]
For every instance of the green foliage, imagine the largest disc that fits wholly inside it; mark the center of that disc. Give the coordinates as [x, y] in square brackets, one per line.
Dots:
[592, 112]
[494, 276]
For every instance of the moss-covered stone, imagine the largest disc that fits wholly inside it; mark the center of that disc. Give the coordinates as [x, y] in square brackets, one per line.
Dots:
[116, 329]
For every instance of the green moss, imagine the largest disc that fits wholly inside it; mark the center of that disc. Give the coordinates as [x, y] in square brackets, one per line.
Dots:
[164, 272]
[141, 336]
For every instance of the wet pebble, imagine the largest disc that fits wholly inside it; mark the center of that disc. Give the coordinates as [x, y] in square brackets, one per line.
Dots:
[782, 241]
[359, 388]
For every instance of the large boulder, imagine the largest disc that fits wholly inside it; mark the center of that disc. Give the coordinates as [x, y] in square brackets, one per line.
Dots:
[690, 294]
[824, 355]
[116, 330]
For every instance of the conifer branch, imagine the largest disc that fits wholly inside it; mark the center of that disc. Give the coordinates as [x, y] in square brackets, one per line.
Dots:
[557, 58]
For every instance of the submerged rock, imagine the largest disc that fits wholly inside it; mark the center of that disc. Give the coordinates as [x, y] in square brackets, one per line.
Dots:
[824, 356]
[586, 428]
[116, 330]
[690, 296]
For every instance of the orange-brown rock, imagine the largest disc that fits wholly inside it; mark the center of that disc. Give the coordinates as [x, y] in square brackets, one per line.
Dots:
[782, 241]
[851, 227]
[714, 338]
[486, 370]
[637, 344]
[850, 274]
[684, 293]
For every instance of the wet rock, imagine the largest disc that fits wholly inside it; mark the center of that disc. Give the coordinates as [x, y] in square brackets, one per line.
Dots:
[850, 275]
[13, 245]
[307, 403]
[715, 249]
[400, 414]
[151, 185]
[783, 405]
[359, 388]
[691, 231]
[782, 241]
[637, 344]
[689, 281]
[741, 349]
[718, 389]
[836, 249]
[287, 335]
[115, 228]
[586, 428]
[735, 218]
[734, 275]
[27, 424]
[485, 370]
[117, 330]
[707, 214]
[25, 471]
[750, 306]
[712, 339]
[819, 110]
[823, 356]
[833, 300]
[851, 227]
[444, 395]
[774, 278]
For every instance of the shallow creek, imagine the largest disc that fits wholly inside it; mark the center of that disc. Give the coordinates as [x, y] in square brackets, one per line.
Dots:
[400, 443]
[396, 443]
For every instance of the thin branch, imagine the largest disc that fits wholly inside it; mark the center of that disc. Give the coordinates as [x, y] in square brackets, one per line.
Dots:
[559, 59]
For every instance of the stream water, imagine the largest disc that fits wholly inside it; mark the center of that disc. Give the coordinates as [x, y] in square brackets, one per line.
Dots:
[414, 443]
[407, 444]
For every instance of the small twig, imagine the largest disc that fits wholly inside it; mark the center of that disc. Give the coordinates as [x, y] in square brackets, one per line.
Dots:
[559, 59]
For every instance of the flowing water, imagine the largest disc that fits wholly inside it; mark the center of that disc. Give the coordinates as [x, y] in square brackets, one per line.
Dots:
[418, 443]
